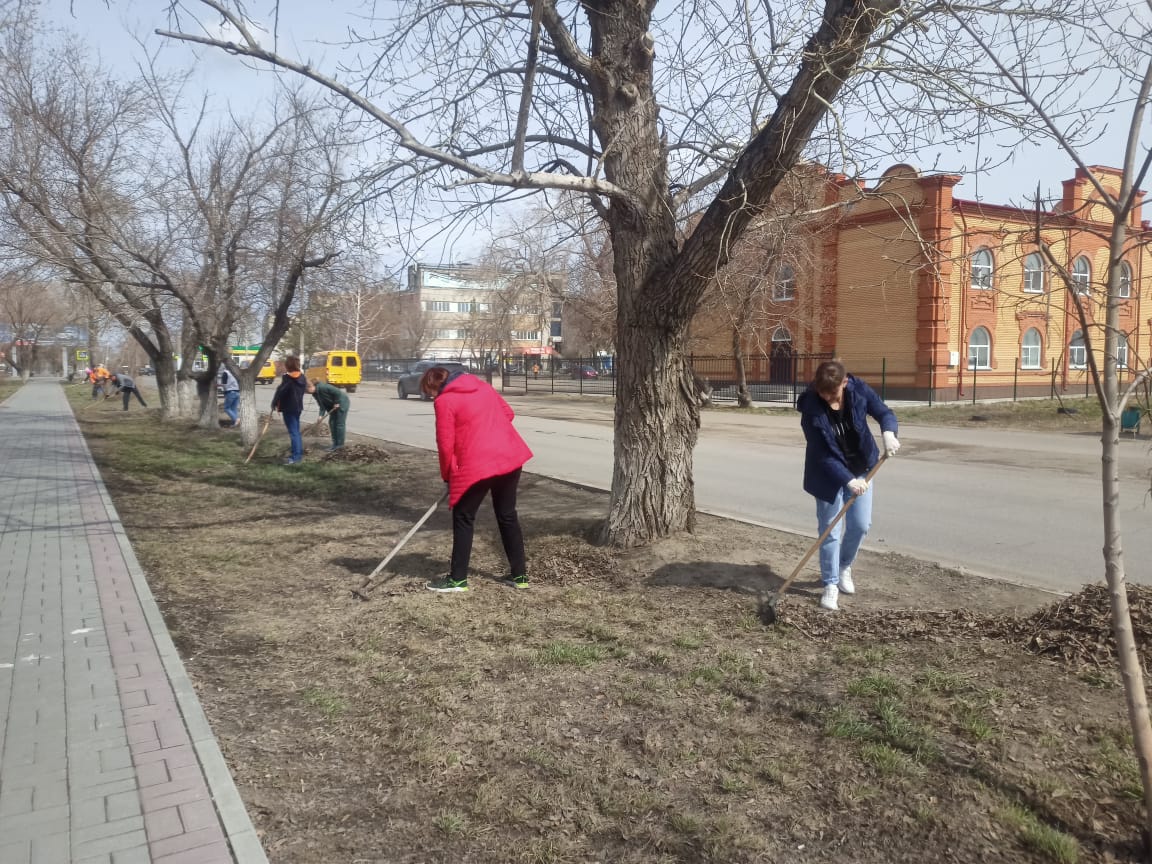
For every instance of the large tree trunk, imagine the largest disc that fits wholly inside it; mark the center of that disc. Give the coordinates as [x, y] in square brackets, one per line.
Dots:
[187, 400]
[209, 407]
[249, 412]
[166, 385]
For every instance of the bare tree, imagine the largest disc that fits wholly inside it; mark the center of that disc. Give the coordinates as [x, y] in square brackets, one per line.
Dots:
[1111, 45]
[31, 313]
[77, 146]
[646, 138]
[773, 282]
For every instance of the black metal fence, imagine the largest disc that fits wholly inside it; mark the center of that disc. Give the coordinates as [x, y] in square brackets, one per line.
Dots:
[778, 378]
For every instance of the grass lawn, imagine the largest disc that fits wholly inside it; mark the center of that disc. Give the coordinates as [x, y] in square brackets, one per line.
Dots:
[8, 386]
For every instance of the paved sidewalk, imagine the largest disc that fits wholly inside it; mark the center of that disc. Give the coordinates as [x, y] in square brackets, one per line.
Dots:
[105, 754]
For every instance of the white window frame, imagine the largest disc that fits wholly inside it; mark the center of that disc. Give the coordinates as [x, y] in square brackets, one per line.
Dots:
[1030, 355]
[1125, 280]
[1034, 274]
[784, 285]
[981, 266]
[1122, 351]
[1082, 276]
[781, 335]
[437, 306]
[974, 350]
[1077, 354]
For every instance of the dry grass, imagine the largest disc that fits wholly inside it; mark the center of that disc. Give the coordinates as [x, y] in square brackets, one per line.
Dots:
[628, 708]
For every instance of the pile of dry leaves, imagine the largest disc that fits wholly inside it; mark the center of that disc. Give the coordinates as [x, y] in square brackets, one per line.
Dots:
[1076, 630]
[360, 454]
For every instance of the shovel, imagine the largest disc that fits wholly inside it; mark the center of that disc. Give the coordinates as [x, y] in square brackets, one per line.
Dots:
[360, 592]
[259, 438]
[766, 606]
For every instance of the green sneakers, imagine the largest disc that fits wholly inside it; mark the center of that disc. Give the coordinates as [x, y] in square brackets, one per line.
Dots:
[515, 581]
[448, 585]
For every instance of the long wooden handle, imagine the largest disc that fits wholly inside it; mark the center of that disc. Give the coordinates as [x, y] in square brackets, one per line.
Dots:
[824, 534]
[259, 438]
[427, 515]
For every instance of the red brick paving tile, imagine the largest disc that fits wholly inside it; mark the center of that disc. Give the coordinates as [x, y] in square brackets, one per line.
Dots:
[215, 854]
[197, 815]
[173, 756]
[189, 840]
[159, 802]
[164, 823]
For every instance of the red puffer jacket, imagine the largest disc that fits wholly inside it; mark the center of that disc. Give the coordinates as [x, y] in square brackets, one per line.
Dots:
[475, 435]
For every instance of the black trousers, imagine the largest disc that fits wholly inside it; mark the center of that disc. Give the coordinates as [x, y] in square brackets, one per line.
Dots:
[128, 391]
[503, 490]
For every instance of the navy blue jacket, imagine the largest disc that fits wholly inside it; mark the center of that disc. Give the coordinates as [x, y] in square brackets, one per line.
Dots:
[826, 469]
[289, 396]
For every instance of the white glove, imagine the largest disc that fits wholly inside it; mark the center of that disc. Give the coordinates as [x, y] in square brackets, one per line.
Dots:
[891, 445]
[857, 485]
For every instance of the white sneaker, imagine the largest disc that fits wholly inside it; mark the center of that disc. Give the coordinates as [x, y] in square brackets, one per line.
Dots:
[828, 601]
[846, 583]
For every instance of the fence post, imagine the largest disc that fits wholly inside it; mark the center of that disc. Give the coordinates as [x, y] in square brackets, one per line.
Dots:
[931, 380]
[974, 365]
[883, 379]
[1015, 378]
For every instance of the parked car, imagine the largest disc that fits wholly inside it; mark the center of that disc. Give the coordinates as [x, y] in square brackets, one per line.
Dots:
[409, 385]
[585, 372]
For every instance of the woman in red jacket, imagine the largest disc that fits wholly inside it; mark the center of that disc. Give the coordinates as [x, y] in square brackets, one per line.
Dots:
[480, 451]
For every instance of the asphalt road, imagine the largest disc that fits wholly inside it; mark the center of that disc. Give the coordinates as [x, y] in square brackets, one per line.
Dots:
[1021, 506]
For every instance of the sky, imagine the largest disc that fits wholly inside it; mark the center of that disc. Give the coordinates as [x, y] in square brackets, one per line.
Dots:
[245, 88]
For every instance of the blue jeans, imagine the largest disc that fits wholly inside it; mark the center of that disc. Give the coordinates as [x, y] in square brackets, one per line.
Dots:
[843, 542]
[292, 424]
[232, 405]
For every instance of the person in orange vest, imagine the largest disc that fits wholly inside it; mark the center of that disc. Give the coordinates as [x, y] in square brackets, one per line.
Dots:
[98, 375]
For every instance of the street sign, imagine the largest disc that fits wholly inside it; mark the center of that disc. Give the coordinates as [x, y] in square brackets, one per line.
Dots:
[81, 356]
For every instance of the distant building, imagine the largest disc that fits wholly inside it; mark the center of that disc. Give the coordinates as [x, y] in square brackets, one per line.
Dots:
[470, 312]
[932, 292]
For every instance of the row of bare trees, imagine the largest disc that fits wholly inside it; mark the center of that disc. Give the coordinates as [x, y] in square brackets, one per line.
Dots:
[185, 231]
[675, 130]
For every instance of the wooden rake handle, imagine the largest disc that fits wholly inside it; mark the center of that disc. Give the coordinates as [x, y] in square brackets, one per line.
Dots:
[259, 438]
[824, 534]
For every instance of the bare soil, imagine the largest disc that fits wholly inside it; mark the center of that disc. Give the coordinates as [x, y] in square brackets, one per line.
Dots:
[630, 706]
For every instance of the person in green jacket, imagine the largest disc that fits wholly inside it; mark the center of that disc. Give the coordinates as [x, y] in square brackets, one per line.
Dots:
[334, 402]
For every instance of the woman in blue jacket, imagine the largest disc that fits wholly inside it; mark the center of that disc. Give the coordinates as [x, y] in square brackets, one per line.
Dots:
[834, 413]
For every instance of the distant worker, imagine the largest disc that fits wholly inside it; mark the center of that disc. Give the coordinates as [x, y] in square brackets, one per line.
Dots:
[98, 375]
[535, 370]
[334, 402]
[231, 388]
[124, 384]
[289, 401]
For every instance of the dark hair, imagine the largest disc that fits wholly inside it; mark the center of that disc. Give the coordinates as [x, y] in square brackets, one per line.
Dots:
[432, 380]
[291, 364]
[829, 376]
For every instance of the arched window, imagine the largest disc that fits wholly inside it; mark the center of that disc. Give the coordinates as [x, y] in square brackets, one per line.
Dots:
[1121, 351]
[1077, 353]
[781, 334]
[1081, 275]
[982, 268]
[784, 286]
[980, 349]
[1030, 349]
[1034, 274]
[1125, 279]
